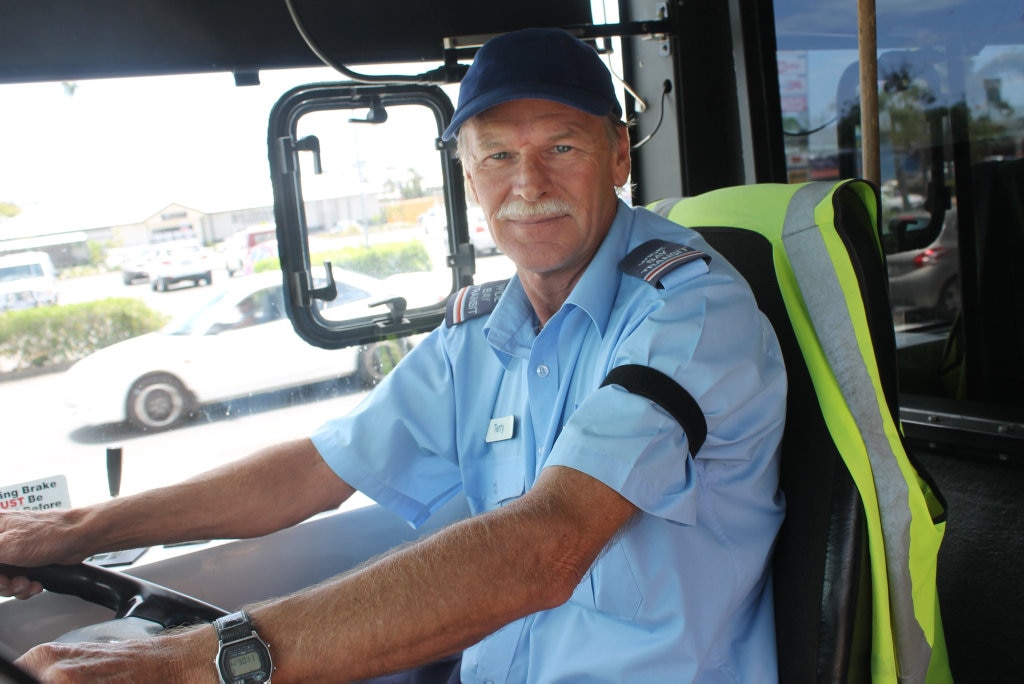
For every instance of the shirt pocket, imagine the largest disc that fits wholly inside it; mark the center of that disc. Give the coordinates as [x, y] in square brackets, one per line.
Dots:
[493, 479]
[610, 587]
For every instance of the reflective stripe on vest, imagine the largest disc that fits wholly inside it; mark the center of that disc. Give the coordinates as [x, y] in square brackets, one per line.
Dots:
[815, 271]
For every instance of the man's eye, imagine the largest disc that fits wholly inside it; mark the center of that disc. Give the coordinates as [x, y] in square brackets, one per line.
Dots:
[499, 155]
[561, 149]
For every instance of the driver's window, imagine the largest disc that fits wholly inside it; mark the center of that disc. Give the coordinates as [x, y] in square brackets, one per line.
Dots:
[368, 174]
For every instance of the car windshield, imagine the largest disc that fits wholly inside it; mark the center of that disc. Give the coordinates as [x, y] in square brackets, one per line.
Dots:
[9, 273]
[198, 322]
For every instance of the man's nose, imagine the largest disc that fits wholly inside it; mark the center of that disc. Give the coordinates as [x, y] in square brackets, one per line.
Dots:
[531, 181]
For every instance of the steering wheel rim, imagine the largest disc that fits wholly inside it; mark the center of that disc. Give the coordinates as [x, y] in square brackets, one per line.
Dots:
[126, 595]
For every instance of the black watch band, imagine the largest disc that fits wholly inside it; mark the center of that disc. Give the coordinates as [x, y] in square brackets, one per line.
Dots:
[234, 626]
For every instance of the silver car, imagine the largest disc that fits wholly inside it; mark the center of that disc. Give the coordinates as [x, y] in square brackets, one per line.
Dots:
[924, 276]
[480, 232]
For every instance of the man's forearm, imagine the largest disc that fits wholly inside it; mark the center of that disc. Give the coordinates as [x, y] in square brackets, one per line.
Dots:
[443, 594]
[227, 502]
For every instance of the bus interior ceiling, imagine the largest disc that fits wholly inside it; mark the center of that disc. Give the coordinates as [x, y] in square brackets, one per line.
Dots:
[709, 84]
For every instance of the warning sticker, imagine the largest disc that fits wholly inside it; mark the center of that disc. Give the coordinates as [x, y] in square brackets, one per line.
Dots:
[37, 495]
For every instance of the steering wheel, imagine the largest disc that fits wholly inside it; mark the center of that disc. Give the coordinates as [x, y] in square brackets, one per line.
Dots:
[140, 607]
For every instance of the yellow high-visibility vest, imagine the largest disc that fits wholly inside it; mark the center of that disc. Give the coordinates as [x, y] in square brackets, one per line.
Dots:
[905, 517]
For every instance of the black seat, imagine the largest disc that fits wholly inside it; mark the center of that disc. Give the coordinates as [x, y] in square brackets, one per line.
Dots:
[821, 571]
[995, 366]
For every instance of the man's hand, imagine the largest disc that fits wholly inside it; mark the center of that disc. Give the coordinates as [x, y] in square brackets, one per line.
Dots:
[183, 657]
[31, 538]
[175, 513]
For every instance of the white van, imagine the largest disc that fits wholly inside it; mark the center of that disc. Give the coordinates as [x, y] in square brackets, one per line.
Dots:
[27, 280]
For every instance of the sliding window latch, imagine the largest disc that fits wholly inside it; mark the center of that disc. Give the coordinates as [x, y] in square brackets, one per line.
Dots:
[290, 147]
[303, 292]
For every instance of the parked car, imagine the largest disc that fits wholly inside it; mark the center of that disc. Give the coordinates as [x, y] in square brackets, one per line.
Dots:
[433, 221]
[238, 343]
[135, 266]
[925, 274]
[176, 262]
[27, 280]
[480, 232]
[247, 246]
[893, 199]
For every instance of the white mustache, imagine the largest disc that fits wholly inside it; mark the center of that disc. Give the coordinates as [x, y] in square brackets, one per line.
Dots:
[521, 209]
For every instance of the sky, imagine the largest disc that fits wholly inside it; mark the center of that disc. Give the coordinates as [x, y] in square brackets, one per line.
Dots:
[122, 149]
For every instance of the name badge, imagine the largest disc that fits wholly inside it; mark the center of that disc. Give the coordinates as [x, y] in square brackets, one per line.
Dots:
[501, 429]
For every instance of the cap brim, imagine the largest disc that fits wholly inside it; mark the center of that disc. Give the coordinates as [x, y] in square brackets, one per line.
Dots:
[578, 98]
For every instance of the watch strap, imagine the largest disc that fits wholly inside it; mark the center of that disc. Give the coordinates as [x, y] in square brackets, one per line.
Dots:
[233, 627]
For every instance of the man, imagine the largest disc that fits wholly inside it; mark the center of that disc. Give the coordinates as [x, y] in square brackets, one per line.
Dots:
[607, 543]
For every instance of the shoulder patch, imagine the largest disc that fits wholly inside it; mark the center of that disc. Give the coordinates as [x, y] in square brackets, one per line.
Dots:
[473, 301]
[655, 258]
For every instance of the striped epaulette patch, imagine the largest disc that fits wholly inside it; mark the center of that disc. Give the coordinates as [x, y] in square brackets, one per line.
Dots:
[473, 301]
[654, 258]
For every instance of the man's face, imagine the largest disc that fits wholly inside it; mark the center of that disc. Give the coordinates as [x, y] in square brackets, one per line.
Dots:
[545, 175]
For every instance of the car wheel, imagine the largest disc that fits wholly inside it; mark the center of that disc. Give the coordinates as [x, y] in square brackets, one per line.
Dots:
[161, 285]
[378, 359]
[158, 402]
[208, 278]
[949, 303]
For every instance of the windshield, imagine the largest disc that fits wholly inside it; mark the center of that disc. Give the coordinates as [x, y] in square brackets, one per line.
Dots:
[11, 273]
[108, 175]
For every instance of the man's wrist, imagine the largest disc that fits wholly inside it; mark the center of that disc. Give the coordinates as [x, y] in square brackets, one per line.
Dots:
[242, 655]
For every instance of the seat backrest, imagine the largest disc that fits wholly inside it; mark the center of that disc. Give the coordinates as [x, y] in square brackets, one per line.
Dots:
[995, 366]
[821, 569]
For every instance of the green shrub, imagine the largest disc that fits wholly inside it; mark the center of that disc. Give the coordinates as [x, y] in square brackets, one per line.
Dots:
[62, 334]
[379, 261]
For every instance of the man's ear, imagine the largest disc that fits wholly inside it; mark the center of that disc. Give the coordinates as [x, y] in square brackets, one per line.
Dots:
[622, 161]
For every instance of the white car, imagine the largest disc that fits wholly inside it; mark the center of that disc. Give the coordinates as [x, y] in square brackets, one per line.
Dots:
[176, 262]
[27, 280]
[135, 265]
[240, 342]
[479, 232]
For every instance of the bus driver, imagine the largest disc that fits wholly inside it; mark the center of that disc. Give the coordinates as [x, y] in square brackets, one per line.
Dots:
[608, 543]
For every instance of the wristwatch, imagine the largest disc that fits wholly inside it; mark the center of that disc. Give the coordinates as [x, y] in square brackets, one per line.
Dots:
[242, 657]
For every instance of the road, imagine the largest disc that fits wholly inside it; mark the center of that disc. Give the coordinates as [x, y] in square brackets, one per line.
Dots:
[41, 437]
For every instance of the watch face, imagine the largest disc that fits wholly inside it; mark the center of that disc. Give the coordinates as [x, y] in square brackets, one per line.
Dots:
[245, 661]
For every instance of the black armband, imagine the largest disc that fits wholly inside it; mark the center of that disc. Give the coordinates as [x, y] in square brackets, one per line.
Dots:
[668, 394]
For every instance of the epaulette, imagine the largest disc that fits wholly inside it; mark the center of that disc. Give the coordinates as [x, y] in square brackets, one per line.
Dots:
[473, 301]
[654, 258]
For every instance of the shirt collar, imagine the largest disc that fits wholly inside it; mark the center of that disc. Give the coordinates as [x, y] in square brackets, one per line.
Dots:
[509, 328]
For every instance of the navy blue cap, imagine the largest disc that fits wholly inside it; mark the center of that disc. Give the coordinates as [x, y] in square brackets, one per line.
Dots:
[538, 63]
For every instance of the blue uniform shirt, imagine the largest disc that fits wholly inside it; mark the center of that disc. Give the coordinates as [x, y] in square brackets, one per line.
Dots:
[684, 593]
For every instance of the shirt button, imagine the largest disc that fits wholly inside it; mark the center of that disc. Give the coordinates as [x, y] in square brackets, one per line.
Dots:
[542, 371]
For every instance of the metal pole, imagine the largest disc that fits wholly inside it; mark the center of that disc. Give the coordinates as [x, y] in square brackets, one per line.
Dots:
[867, 42]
